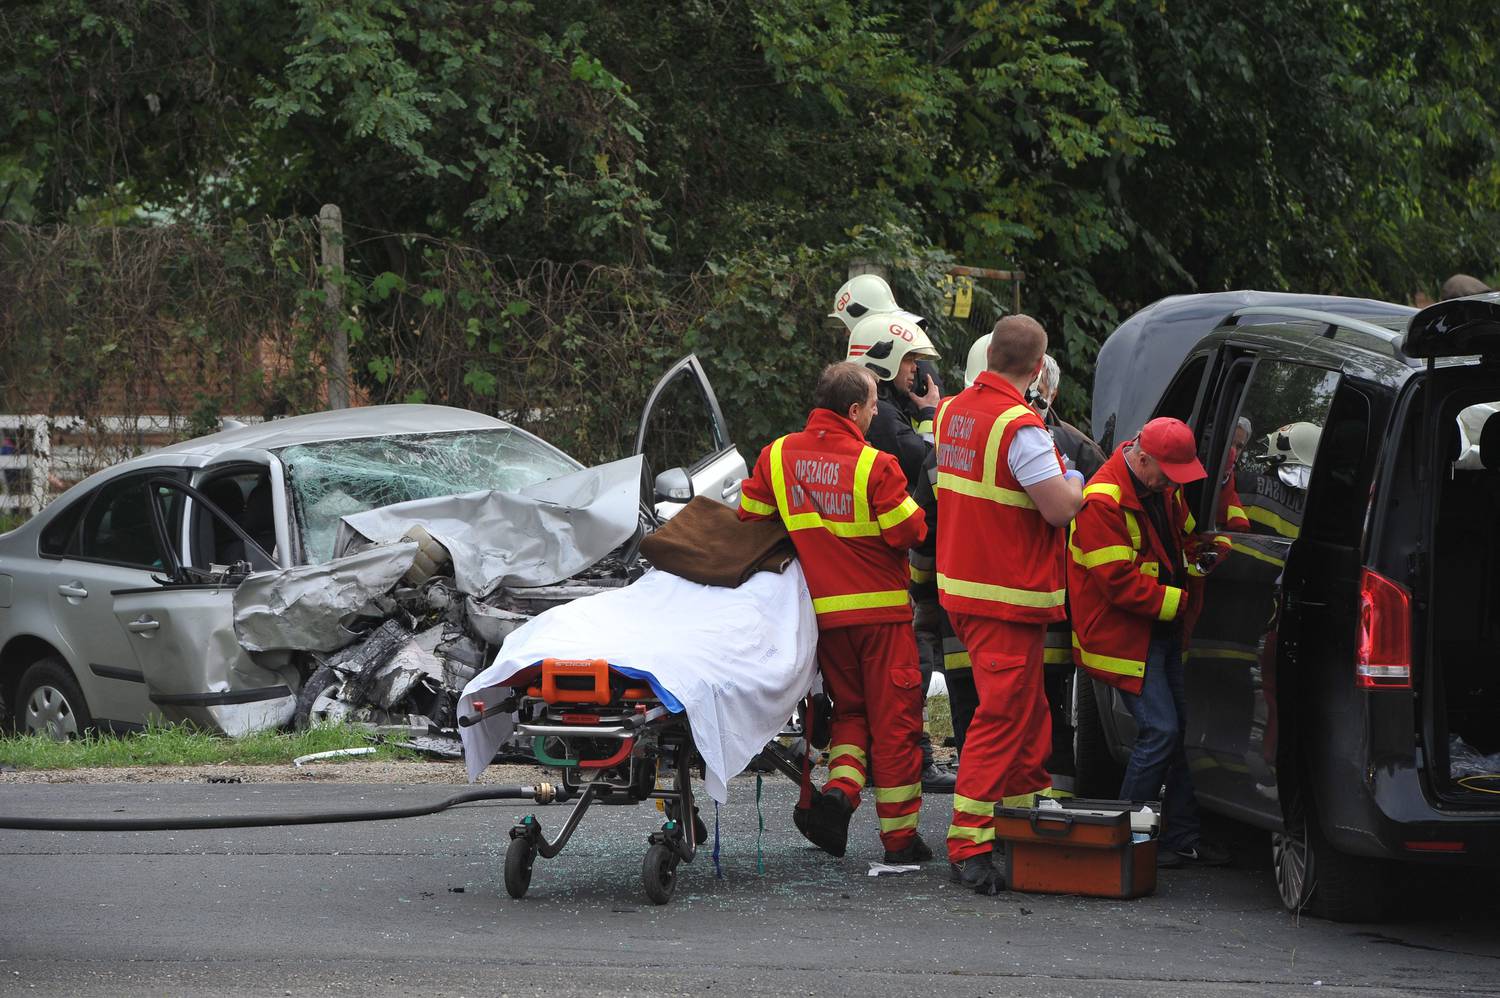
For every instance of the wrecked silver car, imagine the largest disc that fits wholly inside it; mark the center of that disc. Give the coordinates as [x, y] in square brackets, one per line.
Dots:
[361, 563]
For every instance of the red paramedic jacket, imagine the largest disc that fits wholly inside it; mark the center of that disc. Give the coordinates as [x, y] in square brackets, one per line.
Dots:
[996, 555]
[1114, 567]
[845, 506]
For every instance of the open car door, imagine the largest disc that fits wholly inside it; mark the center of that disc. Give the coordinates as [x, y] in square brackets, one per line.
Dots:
[686, 442]
[182, 635]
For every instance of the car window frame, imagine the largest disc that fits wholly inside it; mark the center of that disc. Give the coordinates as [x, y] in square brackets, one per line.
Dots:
[178, 568]
[74, 550]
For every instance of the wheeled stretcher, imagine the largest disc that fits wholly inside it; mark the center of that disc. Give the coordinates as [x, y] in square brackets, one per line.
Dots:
[614, 742]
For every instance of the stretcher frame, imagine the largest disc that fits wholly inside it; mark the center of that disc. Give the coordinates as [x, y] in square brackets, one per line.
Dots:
[572, 711]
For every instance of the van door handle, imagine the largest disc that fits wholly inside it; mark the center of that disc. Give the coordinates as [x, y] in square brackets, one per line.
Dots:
[73, 590]
[730, 488]
[143, 625]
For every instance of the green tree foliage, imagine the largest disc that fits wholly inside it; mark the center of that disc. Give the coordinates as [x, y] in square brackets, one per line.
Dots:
[1116, 151]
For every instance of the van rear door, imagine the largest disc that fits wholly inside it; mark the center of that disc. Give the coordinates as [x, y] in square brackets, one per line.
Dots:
[1459, 327]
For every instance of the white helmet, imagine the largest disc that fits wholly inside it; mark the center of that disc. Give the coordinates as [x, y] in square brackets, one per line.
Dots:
[979, 360]
[881, 340]
[861, 296]
[1292, 449]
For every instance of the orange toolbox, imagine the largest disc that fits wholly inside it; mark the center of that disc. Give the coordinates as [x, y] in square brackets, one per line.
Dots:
[1082, 847]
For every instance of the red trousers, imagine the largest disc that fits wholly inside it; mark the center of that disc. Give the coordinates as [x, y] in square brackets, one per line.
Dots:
[1005, 752]
[873, 676]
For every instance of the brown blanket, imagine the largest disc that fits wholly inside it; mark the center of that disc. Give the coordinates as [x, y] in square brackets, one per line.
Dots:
[709, 544]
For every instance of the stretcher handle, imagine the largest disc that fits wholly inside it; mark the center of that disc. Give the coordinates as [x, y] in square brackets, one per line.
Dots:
[490, 710]
[1038, 816]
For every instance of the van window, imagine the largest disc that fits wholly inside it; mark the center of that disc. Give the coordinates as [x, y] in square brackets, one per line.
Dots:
[1273, 443]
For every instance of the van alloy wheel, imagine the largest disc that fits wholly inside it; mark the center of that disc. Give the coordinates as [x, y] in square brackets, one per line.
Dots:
[1293, 862]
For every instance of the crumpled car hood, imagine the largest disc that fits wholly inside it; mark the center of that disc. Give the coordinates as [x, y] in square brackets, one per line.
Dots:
[540, 535]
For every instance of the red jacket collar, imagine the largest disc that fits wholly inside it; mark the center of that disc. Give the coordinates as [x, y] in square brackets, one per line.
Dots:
[989, 379]
[827, 421]
[1117, 472]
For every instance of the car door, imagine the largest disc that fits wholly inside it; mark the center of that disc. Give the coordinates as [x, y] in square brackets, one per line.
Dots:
[182, 635]
[1265, 437]
[114, 545]
[685, 440]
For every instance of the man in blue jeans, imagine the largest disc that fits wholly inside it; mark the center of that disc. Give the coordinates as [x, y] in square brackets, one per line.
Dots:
[1129, 551]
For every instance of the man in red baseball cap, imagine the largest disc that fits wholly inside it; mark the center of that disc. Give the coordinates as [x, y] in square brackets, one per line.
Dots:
[1131, 551]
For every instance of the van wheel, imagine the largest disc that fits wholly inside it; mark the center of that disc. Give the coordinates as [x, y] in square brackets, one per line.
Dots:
[1096, 772]
[1312, 876]
[49, 702]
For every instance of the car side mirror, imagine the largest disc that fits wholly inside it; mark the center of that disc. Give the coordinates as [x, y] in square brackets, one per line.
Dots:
[674, 485]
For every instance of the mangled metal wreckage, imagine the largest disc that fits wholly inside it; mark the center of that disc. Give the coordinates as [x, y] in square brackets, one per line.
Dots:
[420, 595]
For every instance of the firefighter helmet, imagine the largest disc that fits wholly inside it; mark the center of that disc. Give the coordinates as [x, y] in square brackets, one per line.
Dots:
[1292, 449]
[979, 360]
[861, 296]
[881, 340]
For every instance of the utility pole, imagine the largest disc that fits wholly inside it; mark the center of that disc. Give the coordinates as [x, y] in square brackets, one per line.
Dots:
[331, 228]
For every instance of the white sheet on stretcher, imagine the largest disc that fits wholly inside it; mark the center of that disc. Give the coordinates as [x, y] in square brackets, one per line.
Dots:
[737, 660]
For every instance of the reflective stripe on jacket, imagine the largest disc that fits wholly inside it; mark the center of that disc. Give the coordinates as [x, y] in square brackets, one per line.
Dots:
[996, 555]
[845, 506]
[1114, 569]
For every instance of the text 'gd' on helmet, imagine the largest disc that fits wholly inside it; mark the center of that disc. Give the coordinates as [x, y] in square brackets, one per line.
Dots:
[881, 340]
[861, 296]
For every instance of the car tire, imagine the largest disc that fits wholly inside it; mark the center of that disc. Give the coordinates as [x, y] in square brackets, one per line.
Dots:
[304, 714]
[1096, 771]
[49, 701]
[1313, 877]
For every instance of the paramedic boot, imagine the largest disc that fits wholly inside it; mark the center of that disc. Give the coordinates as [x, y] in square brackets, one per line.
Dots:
[917, 852]
[935, 779]
[978, 874]
[826, 823]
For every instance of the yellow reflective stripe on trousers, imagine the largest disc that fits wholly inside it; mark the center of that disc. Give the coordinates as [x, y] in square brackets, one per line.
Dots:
[854, 751]
[920, 575]
[847, 773]
[898, 795]
[1107, 663]
[899, 822]
[1056, 656]
[968, 805]
[1170, 603]
[1044, 599]
[891, 517]
[955, 660]
[978, 836]
[861, 601]
[755, 506]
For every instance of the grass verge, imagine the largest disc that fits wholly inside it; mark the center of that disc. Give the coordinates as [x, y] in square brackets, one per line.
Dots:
[939, 718]
[175, 745]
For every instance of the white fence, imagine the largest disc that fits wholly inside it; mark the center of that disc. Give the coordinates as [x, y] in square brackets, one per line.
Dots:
[48, 457]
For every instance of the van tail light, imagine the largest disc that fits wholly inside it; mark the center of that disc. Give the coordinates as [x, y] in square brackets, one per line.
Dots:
[1383, 660]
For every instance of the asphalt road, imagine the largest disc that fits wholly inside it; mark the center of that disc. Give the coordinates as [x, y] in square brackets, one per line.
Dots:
[419, 907]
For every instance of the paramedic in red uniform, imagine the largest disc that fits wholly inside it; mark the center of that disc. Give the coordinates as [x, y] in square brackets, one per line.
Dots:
[1132, 551]
[1004, 497]
[846, 508]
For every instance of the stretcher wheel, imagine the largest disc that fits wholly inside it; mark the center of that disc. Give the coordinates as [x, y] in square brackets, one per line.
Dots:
[518, 859]
[659, 873]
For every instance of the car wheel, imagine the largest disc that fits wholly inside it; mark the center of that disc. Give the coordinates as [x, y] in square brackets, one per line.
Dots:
[1314, 877]
[49, 702]
[1096, 773]
[316, 703]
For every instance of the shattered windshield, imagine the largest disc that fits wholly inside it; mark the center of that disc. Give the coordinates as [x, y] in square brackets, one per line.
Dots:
[333, 479]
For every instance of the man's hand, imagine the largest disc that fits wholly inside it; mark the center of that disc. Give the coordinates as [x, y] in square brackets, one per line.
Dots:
[1209, 552]
[931, 399]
